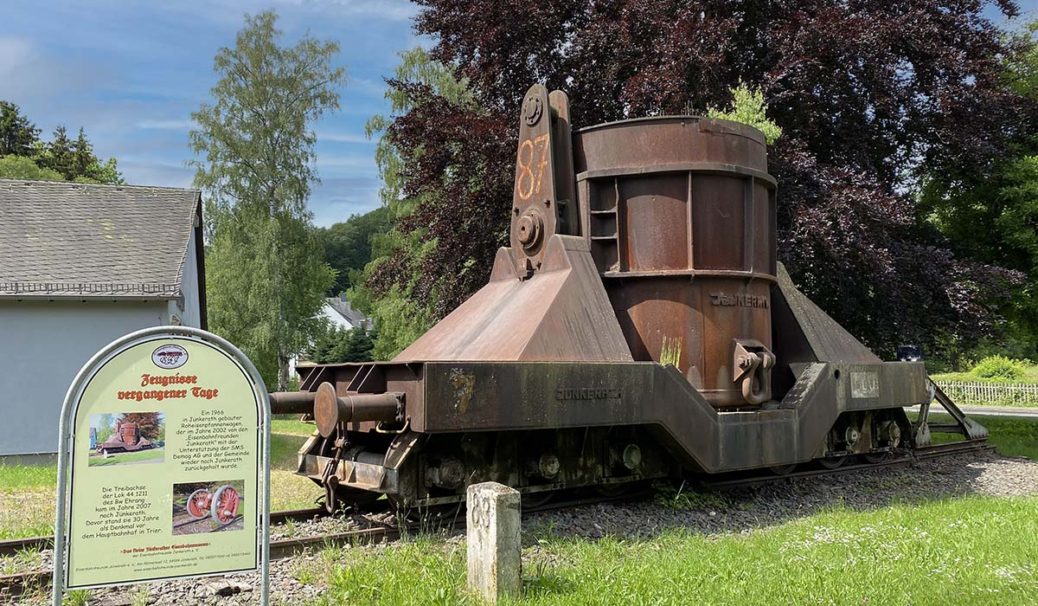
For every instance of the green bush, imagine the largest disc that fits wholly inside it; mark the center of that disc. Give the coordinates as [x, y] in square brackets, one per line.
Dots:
[1001, 368]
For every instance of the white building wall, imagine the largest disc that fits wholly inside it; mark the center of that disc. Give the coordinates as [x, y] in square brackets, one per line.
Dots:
[42, 347]
[191, 315]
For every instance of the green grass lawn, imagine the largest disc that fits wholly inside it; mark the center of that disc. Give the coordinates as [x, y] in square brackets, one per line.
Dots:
[970, 550]
[152, 455]
[1012, 437]
[26, 500]
[287, 490]
[291, 425]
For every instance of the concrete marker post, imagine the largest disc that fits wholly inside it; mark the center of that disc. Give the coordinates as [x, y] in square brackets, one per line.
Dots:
[494, 524]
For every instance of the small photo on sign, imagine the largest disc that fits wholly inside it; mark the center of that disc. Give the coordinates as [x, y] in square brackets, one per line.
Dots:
[123, 438]
[200, 507]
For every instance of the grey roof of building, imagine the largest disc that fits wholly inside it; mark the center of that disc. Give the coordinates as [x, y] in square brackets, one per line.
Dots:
[344, 309]
[61, 239]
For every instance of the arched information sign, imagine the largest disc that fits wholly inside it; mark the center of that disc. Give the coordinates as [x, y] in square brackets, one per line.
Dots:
[163, 464]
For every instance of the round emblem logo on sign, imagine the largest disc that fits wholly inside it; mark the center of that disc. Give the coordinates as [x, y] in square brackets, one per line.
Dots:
[169, 356]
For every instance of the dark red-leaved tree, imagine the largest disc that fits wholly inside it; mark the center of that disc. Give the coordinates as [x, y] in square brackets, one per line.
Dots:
[150, 423]
[870, 94]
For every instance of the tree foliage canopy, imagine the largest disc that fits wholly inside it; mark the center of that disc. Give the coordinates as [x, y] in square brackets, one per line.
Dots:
[264, 283]
[24, 156]
[871, 97]
[992, 215]
[334, 345]
[347, 245]
[18, 136]
[748, 107]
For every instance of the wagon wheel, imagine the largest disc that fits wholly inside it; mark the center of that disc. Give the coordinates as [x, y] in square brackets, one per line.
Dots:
[197, 505]
[832, 462]
[224, 507]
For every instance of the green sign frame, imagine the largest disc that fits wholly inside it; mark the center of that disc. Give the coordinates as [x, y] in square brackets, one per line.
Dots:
[163, 464]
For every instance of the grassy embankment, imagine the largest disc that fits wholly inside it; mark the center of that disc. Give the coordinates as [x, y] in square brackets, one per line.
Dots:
[152, 455]
[1011, 437]
[287, 490]
[27, 492]
[26, 500]
[970, 550]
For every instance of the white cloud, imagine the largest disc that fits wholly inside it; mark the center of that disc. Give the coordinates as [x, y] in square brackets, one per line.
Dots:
[166, 124]
[330, 161]
[14, 54]
[27, 74]
[366, 87]
[343, 137]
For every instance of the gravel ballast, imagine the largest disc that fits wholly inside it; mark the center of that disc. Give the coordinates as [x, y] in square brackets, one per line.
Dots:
[735, 510]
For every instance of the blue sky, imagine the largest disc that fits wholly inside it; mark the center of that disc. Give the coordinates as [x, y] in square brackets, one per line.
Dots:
[131, 72]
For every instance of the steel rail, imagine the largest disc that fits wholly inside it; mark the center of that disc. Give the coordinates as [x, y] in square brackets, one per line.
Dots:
[921, 453]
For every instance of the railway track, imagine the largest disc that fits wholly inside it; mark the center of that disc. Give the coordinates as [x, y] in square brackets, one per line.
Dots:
[926, 452]
[446, 521]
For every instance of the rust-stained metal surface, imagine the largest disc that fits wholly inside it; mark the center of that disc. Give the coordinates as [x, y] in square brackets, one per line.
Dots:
[637, 327]
[332, 410]
[682, 225]
[559, 313]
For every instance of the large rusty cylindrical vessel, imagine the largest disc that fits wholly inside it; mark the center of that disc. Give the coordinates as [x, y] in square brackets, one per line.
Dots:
[680, 215]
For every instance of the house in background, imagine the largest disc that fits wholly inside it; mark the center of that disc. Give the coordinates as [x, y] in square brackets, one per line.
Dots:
[339, 312]
[81, 265]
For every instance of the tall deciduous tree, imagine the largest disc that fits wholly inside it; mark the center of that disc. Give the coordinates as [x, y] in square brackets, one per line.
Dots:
[23, 167]
[870, 96]
[265, 281]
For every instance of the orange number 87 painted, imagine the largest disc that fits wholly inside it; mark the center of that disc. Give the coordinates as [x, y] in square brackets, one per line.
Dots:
[526, 183]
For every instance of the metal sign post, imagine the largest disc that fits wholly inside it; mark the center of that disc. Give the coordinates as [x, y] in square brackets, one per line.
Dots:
[163, 464]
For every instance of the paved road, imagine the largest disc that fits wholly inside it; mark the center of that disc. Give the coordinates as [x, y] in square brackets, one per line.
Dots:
[988, 411]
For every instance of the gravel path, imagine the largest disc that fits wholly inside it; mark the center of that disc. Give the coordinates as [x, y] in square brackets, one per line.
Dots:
[743, 509]
[733, 510]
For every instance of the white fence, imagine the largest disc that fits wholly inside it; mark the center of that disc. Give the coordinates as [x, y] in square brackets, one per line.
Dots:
[992, 394]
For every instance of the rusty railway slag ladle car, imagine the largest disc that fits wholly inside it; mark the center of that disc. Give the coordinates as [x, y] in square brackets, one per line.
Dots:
[638, 326]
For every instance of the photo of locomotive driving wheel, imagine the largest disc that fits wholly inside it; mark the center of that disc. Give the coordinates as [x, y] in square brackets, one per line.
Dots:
[198, 504]
[213, 506]
[224, 506]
